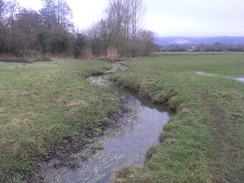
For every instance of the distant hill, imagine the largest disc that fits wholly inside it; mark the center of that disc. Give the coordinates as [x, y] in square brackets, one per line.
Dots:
[164, 41]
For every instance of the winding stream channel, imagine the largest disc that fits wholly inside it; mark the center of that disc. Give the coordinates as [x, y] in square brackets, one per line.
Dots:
[142, 125]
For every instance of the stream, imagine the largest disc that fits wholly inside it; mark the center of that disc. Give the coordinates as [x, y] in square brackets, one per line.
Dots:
[142, 125]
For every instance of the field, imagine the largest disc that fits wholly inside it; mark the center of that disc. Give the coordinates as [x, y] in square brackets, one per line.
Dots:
[203, 142]
[47, 108]
[44, 107]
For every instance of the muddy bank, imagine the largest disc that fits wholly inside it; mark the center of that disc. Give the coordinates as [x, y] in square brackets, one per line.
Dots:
[141, 90]
[136, 131]
[19, 60]
[71, 150]
[24, 60]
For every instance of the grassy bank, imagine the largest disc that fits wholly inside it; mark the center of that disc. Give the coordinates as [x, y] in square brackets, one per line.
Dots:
[47, 104]
[203, 142]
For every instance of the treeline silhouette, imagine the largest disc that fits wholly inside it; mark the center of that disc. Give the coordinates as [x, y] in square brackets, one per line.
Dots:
[50, 31]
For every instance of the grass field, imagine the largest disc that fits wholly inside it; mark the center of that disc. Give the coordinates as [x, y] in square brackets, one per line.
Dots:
[204, 140]
[47, 104]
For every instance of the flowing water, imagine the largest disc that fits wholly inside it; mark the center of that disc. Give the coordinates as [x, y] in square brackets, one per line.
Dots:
[141, 128]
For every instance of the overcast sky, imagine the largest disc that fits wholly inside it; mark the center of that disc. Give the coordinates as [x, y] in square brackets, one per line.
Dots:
[169, 17]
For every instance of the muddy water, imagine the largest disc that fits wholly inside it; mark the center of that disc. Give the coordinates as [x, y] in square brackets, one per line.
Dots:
[141, 128]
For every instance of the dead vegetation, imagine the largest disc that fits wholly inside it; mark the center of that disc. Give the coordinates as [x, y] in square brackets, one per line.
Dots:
[16, 60]
[78, 104]
[42, 58]
[87, 54]
[17, 123]
[112, 55]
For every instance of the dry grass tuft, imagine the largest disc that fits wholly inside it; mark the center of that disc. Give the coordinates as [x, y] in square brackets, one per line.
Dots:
[2, 109]
[40, 106]
[123, 171]
[144, 88]
[2, 115]
[17, 123]
[80, 88]
[59, 102]
[160, 98]
[78, 104]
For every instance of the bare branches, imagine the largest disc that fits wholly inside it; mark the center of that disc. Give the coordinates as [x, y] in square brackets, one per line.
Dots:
[50, 30]
[122, 27]
[56, 13]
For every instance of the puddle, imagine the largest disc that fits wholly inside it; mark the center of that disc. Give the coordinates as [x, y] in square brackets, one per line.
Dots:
[142, 126]
[204, 73]
[241, 79]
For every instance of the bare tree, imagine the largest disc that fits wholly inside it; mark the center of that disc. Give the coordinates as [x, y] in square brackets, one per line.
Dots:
[56, 13]
[121, 28]
[2, 10]
[115, 23]
[64, 14]
[48, 13]
[137, 14]
[13, 8]
[49, 30]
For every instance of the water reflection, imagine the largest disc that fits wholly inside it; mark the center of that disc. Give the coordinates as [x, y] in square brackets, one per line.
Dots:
[142, 126]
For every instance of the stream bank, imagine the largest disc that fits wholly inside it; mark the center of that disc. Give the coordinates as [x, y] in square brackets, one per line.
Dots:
[141, 127]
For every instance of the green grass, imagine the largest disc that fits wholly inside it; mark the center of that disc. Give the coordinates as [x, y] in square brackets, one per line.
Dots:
[45, 104]
[204, 140]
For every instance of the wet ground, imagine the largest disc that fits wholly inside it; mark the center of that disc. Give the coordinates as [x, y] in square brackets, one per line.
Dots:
[128, 145]
[241, 78]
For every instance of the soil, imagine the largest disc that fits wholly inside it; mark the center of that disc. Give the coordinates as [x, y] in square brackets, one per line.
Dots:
[71, 145]
[16, 60]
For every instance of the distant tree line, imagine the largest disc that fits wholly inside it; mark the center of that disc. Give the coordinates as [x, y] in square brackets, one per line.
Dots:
[216, 47]
[173, 48]
[25, 32]
[219, 47]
